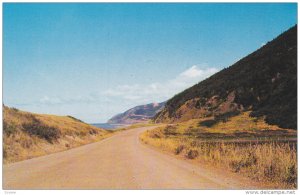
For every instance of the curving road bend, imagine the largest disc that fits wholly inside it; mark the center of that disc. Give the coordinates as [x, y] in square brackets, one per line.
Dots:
[118, 162]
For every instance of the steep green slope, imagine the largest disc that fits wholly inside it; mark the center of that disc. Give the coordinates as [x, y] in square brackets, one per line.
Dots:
[264, 82]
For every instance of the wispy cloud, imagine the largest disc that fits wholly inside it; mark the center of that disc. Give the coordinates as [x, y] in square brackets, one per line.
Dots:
[137, 93]
[160, 91]
[46, 100]
[192, 72]
[101, 105]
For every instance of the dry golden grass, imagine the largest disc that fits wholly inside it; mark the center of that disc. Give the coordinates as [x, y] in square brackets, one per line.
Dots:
[27, 135]
[260, 153]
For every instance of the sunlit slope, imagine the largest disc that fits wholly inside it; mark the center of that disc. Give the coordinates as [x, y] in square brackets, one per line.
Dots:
[27, 135]
[264, 82]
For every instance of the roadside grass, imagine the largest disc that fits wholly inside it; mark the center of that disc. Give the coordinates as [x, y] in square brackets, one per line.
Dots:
[241, 144]
[27, 135]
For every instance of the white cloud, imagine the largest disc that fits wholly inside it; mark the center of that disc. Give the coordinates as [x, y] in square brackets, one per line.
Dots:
[101, 105]
[156, 92]
[192, 72]
[46, 100]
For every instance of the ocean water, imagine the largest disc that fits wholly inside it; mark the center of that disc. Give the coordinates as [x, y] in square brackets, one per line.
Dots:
[108, 126]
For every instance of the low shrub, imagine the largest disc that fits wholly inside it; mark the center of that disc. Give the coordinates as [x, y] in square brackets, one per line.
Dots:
[9, 129]
[75, 119]
[93, 132]
[170, 130]
[4, 151]
[41, 130]
[26, 143]
[208, 123]
[191, 154]
[15, 109]
[225, 116]
[179, 149]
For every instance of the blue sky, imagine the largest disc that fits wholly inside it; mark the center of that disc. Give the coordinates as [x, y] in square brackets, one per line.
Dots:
[95, 60]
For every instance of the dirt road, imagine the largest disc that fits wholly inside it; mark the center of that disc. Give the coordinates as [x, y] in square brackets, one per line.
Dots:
[118, 162]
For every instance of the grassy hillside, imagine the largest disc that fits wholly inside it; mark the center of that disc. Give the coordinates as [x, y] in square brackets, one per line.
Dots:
[27, 135]
[243, 118]
[243, 144]
[264, 82]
